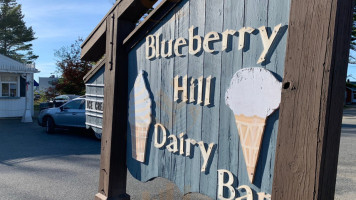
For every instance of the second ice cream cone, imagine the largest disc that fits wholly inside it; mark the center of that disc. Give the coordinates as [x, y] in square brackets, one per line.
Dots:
[250, 130]
[138, 141]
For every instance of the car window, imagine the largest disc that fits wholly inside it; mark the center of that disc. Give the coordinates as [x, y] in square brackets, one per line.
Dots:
[61, 97]
[82, 105]
[75, 104]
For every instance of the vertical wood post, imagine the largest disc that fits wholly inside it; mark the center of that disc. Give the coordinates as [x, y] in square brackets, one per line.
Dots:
[312, 99]
[113, 170]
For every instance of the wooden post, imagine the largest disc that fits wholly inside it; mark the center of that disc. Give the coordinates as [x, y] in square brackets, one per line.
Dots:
[312, 99]
[113, 171]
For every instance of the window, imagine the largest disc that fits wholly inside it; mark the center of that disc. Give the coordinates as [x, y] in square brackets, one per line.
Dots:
[73, 104]
[8, 85]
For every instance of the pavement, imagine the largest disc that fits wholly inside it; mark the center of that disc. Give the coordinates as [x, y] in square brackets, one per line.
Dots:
[35, 165]
[346, 170]
[65, 165]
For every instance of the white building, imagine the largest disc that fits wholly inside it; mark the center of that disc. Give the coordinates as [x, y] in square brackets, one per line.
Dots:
[16, 82]
[47, 82]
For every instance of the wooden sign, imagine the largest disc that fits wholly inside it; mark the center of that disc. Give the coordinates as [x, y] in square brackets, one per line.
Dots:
[214, 83]
[201, 92]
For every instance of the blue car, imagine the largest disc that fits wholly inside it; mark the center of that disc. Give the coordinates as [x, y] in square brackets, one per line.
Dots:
[68, 115]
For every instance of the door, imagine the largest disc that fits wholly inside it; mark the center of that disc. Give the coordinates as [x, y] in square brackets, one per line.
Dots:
[72, 114]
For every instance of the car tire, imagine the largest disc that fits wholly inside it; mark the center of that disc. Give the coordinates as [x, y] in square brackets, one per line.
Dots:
[50, 125]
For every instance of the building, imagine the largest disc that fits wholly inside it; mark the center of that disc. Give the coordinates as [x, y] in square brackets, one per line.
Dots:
[47, 82]
[16, 82]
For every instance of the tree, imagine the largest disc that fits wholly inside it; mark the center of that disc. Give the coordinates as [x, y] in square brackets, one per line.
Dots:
[352, 59]
[72, 69]
[15, 36]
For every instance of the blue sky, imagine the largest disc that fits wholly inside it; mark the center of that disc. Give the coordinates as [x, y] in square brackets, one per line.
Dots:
[351, 71]
[60, 23]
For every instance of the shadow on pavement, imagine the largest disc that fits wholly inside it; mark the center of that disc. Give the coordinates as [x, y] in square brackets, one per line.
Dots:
[22, 142]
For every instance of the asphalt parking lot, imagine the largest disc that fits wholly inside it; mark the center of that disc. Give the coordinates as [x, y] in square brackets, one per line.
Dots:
[65, 165]
[35, 165]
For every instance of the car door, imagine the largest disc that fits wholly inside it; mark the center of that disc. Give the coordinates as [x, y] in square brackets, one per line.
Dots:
[69, 114]
[79, 115]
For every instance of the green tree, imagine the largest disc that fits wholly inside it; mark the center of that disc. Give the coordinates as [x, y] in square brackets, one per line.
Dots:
[352, 59]
[15, 36]
[72, 69]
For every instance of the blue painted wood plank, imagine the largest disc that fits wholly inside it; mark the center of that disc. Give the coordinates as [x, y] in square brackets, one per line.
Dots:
[168, 30]
[180, 107]
[210, 122]
[135, 63]
[255, 17]
[194, 110]
[231, 62]
[276, 16]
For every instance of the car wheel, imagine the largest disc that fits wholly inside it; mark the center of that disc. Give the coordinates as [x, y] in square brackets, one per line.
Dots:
[49, 125]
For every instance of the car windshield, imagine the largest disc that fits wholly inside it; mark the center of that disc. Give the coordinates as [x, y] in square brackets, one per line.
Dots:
[62, 97]
[75, 104]
[72, 96]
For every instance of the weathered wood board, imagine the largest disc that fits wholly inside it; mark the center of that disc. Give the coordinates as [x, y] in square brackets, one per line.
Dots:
[210, 123]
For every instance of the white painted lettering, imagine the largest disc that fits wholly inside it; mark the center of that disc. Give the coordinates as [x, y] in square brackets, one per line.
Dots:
[242, 34]
[164, 135]
[267, 42]
[150, 47]
[182, 88]
[248, 195]
[189, 142]
[169, 49]
[179, 43]
[181, 143]
[194, 38]
[263, 196]
[205, 153]
[225, 38]
[227, 185]
[173, 146]
[210, 37]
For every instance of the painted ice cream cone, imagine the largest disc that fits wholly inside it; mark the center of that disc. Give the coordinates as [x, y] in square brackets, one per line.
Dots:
[139, 117]
[250, 131]
[253, 95]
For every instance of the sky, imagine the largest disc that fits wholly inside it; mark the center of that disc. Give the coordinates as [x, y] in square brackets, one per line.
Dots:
[351, 71]
[59, 23]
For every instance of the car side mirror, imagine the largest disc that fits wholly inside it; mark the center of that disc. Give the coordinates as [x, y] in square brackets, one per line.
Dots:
[61, 108]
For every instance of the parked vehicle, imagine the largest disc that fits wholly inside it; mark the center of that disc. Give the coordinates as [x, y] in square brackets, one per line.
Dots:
[58, 101]
[68, 115]
[61, 99]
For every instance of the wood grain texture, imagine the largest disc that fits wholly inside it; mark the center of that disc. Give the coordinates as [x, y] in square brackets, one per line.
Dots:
[112, 182]
[216, 122]
[211, 115]
[311, 108]
[180, 108]
[233, 19]
[194, 111]
[93, 47]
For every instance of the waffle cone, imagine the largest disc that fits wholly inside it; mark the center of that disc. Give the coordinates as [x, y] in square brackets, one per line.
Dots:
[250, 131]
[138, 141]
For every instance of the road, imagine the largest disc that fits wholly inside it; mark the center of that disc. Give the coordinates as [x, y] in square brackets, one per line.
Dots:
[65, 165]
[346, 175]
